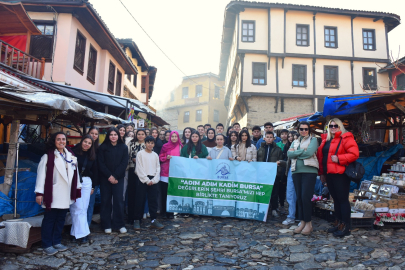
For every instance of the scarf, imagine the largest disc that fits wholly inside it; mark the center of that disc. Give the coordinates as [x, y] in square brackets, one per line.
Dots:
[242, 151]
[213, 139]
[169, 146]
[50, 166]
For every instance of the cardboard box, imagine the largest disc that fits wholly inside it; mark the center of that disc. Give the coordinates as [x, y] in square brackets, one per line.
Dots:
[381, 205]
[401, 211]
[382, 210]
[356, 215]
[393, 201]
[393, 211]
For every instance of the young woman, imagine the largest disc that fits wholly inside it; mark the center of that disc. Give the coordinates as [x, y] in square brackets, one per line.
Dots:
[135, 145]
[210, 142]
[244, 150]
[129, 135]
[186, 135]
[158, 142]
[57, 187]
[232, 139]
[121, 129]
[147, 131]
[169, 150]
[162, 136]
[228, 131]
[112, 161]
[220, 151]
[194, 148]
[86, 157]
[304, 167]
[129, 127]
[93, 132]
[337, 150]
[291, 196]
[167, 136]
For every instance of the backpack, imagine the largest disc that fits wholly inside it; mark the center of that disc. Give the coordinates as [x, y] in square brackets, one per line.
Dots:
[355, 170]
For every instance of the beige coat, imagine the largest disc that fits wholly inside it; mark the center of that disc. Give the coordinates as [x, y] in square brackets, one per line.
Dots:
[62, 180]
[312, 161]
[251, 152]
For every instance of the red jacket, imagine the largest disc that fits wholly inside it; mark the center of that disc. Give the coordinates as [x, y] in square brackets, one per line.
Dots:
[348, 153]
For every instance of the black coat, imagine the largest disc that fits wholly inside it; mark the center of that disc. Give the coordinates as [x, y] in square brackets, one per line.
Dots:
[158, 146]
[112, 160]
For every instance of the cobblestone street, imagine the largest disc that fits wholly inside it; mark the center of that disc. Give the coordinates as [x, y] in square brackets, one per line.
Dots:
[214, 243]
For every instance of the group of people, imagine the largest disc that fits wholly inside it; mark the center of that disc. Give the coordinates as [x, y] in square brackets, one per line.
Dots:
[131, 167]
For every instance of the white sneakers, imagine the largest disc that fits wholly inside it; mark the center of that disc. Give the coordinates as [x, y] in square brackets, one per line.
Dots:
[288, 221]
[123, 230]
[274, 213]
[107, 230]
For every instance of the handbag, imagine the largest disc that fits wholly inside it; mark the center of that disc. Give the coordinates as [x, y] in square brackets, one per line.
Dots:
[355, 170]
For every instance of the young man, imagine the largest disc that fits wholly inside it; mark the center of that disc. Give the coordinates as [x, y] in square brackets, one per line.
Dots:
[270, 152]
[267, 127]
[220, 130]
[256, 134]
[148, 170]
[201, 131]
[283, 179]
[206, 127]
[236, 127]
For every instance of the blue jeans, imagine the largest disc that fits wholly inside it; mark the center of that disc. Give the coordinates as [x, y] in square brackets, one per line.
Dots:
[52, 226]
[291, 196]
[90, 209]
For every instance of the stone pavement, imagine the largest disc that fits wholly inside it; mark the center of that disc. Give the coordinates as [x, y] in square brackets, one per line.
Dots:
[205, 243]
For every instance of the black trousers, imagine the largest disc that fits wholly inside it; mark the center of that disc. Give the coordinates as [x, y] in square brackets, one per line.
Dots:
[112, 201]
[141, 191]
[52, 226]
[339, 188]
[274, 194]
[131, 189]
[163, 197]
[304, 188]
[282, 190]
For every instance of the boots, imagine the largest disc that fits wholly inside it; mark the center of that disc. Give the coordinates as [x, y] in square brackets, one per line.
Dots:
[307, 229]
[300, 227]
[343, 230]
[335, 227]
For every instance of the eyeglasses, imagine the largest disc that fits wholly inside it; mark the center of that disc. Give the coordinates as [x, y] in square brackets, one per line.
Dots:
[333, 126]
[304, 129]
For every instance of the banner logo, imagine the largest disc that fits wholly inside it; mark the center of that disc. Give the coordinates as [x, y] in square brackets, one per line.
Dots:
[222, 171]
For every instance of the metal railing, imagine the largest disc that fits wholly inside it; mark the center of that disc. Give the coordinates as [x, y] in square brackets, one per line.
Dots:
[20, 60]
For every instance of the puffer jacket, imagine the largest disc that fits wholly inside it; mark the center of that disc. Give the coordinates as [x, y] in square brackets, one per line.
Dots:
[251, 152]
[348, 152]
[276, 154]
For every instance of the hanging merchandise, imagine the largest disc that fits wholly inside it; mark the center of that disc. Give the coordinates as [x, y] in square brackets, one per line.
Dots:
[135, 122]
[131, 114]
[141, 123]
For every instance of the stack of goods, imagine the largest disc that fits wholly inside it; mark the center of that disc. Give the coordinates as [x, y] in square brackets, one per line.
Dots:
[398, 167]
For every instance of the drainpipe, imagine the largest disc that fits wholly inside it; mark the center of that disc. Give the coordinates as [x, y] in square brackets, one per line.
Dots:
[56, 16]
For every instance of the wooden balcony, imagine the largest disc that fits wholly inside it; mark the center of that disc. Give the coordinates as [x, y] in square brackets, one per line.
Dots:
[20, 60]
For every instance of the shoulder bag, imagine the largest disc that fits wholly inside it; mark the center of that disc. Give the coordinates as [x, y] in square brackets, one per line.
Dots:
[355, 170]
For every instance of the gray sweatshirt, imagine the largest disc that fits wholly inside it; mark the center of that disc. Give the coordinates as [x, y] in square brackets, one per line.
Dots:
[226, 153]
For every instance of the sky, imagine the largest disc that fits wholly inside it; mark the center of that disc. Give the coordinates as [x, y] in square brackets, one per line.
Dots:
[190, 32]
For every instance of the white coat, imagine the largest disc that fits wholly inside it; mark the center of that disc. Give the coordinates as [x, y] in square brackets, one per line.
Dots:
[62, 179]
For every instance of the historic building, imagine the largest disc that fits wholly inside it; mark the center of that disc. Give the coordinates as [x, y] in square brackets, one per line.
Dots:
[280, 60]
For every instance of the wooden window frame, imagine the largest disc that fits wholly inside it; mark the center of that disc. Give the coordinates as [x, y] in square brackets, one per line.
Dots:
[197, 115]
[182, 92]
[398, 77]
[296, 33]
[217, 114]
[135, 81]
[259, 78]
[79, 69]
[374, 87]
[247, 36]
[336, 79]
[43, 22]
[118, 83]
[336, 37]
[305, 79]
[92, 50]
[186, 114]
[367, 44]
[198, 91]
[111, 91]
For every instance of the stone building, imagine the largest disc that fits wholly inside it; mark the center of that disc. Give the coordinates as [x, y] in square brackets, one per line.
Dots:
[281, 60]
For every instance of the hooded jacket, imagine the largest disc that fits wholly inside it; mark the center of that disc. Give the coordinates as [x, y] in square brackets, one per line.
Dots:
[348, 152]
[275, 155]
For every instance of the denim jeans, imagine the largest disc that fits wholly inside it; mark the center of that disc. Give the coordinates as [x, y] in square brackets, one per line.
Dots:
[291, 196]
[52, 226]
[91, 205]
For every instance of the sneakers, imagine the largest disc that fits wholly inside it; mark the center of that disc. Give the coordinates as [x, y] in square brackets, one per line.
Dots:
[123, 230]
[137, 225]
[144, 216]
[83, 240]
[60, 247]
[107, 230]
[288, 221]
[274, 213]
[50, 251]
[156, 224]
[148, 215]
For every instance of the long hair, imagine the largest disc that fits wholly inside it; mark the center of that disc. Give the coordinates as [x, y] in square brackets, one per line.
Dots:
[183, 137]
[229, 144]
[292, 133]
[107, 137]
[228, 131]
[118, 128]
[50, 144]
[244, 131]
[135, 139]
[190, 144]
[339, 123]
[91, 153]
[96, 142]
